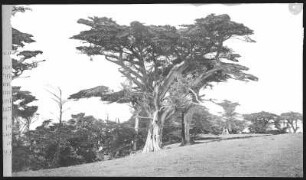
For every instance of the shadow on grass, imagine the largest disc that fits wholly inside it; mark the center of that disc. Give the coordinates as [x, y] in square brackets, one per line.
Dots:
[213, 139]
[206, 138]
[203, 140]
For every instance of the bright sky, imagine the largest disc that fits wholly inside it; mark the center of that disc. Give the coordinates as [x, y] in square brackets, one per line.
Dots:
[276, 58]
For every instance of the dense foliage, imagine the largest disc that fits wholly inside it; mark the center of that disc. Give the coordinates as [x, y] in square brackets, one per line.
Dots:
[84, 139]
[260, 121]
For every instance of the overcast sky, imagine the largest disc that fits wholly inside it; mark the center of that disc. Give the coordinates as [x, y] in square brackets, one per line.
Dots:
[276, 58]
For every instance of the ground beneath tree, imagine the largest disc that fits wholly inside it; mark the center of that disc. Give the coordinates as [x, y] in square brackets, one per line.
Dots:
[215, 156]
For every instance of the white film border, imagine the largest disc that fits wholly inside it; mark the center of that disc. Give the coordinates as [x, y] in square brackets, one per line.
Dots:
[6, 90]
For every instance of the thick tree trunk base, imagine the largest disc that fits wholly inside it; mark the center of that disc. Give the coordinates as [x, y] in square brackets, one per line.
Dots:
[153, 142]
[155, 133]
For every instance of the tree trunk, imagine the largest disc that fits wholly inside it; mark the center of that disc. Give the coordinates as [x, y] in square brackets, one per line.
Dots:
[155, 132]
[188, 115]
[229, 128]
[29, 134]
[183, 130]
[30, 144]
[136, 130]
[153, 142]
[294, 128]
[291, 127]
[187, 122]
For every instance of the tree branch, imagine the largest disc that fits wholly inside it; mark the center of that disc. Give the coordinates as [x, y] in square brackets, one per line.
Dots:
[195, 95]
[205, 75]
[126, 68]
[174, 72]
[133, 79]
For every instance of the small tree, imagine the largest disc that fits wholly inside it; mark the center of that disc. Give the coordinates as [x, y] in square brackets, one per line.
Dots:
[292, 118]
[229, 115]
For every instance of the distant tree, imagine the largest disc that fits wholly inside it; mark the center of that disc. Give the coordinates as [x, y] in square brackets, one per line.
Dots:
[217, 124]
[291, 118]
[57, 97]
[260, 121]
[238, 126]
[152, 57]
[230, 116]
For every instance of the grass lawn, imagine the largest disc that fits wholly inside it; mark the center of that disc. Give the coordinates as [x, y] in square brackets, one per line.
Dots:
[241, 155]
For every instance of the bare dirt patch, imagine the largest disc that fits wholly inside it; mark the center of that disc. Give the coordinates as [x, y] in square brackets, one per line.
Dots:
[214, 156]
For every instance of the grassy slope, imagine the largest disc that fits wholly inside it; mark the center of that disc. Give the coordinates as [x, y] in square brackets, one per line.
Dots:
[233, 155]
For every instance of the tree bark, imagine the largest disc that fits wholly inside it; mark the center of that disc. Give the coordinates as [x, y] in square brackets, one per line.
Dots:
[183, 130]
[187, 116]
[292, 125]
[136, 130]
[30, 143]
[230, 127]
[187, 122]
[153, 142]
[296, 126]
[154, 137]
[194, 108]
